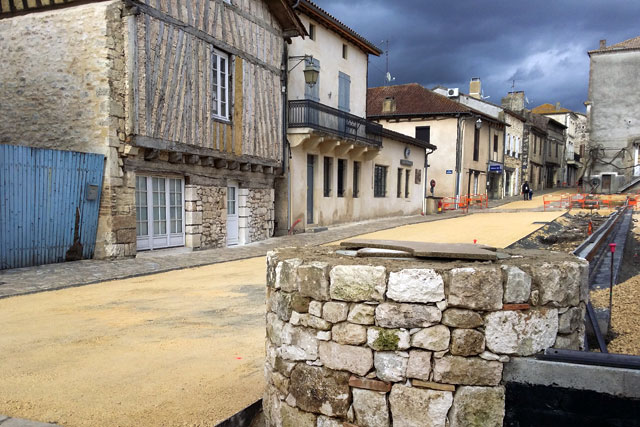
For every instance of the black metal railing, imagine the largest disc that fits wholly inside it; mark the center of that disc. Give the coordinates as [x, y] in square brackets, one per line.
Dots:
[311, 114]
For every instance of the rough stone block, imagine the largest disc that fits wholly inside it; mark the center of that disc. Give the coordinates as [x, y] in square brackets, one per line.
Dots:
[283, 305]
[522, 333]
[358, 283]
[475, 288]
[193, 218]
[275, 327]
[466, 342]
[313, 280]
[329, 422]
[573, 341]
[126, 235]
[287, 275]
[349, 333]
[321, 390]
[461, 318]
[293, 417]
[467, 371]
[362, 314]
[381, 339]
[559, 284]
[315, 308]
[517, 285]
[411, 406]
[419, 365]
[570, 320]
[358, 360]
[416, 285]
[300, 303]
[478, 407]
[317, 323]
[298, 344]
[435, 338]
[393, 315]
[391, 365]
[370, 408]
[335, 312]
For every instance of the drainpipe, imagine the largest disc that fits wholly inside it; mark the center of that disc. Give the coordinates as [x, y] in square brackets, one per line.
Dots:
[459, 135]
[424, 186]
[285, 124]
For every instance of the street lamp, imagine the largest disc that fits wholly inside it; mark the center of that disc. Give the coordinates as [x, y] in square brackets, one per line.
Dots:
[478, 124]
[311, 71]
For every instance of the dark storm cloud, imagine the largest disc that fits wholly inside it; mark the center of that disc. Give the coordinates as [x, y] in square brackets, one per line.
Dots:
[542, 45]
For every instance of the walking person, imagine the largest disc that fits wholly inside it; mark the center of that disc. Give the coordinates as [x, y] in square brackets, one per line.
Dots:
[525, 190]
[530, 193]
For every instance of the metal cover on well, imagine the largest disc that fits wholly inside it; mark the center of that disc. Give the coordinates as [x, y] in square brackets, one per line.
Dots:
[429, 249]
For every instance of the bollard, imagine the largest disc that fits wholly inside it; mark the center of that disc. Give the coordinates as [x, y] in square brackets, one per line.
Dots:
[612, 247]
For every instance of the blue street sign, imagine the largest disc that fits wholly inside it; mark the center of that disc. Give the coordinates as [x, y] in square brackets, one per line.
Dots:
[449, 172]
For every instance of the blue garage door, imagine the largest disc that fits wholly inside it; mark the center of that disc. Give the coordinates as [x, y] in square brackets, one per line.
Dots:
[49, 205]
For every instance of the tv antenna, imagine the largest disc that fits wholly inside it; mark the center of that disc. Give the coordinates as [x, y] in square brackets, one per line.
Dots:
[387, 77]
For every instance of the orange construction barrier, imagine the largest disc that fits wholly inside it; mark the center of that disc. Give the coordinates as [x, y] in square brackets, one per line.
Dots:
[478, 200]
[556, 201]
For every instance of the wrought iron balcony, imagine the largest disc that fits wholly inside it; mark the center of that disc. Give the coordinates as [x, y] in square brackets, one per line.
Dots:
[311, 114]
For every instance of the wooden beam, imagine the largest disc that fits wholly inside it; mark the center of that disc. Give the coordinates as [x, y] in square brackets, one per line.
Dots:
[192, 159]
[165, 145]
[155, 13]
[175, 157]
[207, 161]
[151, 153]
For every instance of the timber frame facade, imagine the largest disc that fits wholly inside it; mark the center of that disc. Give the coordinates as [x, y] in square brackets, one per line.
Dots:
[184, 100]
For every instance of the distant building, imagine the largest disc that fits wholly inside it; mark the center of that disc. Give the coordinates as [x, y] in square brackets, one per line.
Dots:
[469, 155]
[340, 167]
[613, 111]
[576, 139]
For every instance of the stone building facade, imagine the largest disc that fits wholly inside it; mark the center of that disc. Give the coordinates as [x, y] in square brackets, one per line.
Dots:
[513, 148]
[181, 97]
[374, 342]
[612, 110]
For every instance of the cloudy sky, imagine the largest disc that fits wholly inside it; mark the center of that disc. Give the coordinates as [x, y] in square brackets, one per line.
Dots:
[542, 44]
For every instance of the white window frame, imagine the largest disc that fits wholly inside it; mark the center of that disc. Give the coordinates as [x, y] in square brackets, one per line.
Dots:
[220, 91]
[168, 239]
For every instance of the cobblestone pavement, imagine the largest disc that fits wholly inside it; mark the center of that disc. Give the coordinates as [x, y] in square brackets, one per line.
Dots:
[21, 281]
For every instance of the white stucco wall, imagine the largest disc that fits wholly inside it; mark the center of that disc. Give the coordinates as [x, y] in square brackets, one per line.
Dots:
[327, 48]
[333, 209]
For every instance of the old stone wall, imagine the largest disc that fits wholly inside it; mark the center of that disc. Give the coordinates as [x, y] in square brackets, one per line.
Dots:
[259, 211]
[205, 216]
[375, 342]
[63, 87]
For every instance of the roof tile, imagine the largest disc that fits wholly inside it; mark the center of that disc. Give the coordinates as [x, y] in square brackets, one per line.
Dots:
[411, 99]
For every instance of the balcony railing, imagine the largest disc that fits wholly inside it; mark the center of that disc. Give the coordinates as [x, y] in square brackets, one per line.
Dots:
[310, 114]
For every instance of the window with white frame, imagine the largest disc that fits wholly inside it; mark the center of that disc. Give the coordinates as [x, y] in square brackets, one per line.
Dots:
[220, 84]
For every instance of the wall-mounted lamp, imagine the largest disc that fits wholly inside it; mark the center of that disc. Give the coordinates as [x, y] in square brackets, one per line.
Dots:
[311, 71]
[478, 124]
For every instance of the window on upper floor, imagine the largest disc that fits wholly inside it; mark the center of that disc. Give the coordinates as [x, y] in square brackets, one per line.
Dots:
[220, 84]
[399, 183]
[312, 31]
[476, 145]
[557, 145]
[407, 176]
[344, 51]
[495, 143]
[356, 179]
[423, 133]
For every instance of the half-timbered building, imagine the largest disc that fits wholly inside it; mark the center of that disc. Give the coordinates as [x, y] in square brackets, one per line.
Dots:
[182, 98]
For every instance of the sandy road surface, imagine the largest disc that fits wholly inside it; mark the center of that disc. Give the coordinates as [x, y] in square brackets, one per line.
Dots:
[150, 351]
[162, 350]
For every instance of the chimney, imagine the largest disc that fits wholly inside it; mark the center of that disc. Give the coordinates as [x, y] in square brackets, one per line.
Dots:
[603, 44]
[514, 101]
[475, 88]
[389, 105]
[557, 106]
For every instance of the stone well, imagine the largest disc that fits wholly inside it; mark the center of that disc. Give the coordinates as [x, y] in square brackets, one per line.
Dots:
[409, 342]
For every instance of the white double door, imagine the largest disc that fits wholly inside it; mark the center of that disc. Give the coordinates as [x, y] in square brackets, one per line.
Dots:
[159, 212]
[232, 214]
